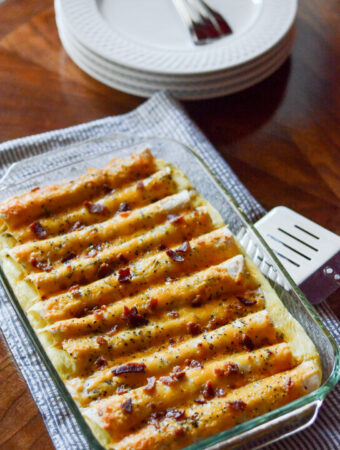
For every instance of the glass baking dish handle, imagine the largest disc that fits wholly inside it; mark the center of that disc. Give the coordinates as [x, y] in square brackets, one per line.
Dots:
[274, 430]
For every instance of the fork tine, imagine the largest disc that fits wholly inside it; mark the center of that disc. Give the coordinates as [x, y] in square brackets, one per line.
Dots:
[219, 21]
[203, 22]
[201, 33]
[211, 31]
[206, 20]
[222, 23]
[186, 15]
[206, 29]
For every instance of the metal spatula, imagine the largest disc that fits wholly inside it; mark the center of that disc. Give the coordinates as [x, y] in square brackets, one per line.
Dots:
[309, 252]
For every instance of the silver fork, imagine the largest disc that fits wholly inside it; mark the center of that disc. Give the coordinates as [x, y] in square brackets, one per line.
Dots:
[204, 23]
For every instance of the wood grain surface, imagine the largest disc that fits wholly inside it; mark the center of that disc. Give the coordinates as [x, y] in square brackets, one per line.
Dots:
[281, 137]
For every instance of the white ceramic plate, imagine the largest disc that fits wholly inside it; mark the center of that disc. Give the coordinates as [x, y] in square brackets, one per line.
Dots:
[176, 80]
[145, 89]
[149, 36]
[163, 77]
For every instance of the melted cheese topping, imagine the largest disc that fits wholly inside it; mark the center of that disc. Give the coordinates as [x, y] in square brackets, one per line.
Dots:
[162, 329]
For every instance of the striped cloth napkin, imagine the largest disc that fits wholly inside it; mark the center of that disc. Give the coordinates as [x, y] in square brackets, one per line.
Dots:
[160, 116]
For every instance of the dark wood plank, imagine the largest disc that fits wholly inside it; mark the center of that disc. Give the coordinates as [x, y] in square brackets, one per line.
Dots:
[281, 137]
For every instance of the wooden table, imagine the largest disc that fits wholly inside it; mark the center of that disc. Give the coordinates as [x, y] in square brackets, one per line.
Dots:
[282, 137]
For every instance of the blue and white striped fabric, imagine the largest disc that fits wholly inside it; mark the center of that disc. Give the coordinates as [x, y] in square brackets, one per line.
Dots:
[163, 117]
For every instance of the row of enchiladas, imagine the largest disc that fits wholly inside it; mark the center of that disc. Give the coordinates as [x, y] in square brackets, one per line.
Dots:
[162, 329]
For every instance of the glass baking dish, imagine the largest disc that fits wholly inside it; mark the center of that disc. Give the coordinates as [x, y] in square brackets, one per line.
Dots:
[70, 162]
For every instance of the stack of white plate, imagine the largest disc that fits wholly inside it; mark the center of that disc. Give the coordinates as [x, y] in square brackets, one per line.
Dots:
[142, 46]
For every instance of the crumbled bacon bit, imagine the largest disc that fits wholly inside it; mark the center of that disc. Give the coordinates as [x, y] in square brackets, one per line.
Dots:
[161, 247]
[174, 256]
[107, 189]
[216, 322]
[124, 275]
[127, 406]
[220, 392]
[175, 219]
[246, 301]
[288, 384]
[113, 331]
[193, 364]
[101, 341]
[208, 390]
[121, 389]
[177, 414]
[156, 417]
[104, 270]
[169, 381]
[35, 189]
[123, 207]
[40, 265]
[179, 432]
[74, 290]
[96, 208]
[125, 214]
[153, 303]
[196, 301]
[100, 362]
[122, 258]
[194, 328]
[200, 401]
[140, 185]
[38, 230]
[133, 318]
[231, 368]
[68, 257]
[151, 386]
[77, 226]
[129, 368]
[183, 248]
[248, 343]
[219, 372]
[177, 373]
[269, 352]
[173, 314]
[237, 405]
[87, 310]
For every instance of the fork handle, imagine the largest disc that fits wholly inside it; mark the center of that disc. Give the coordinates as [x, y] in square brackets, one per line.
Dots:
[194, 20]
[184, 13]
[187, 14]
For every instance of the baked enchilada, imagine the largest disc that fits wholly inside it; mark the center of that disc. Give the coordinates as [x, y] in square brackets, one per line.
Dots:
[162, 329]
